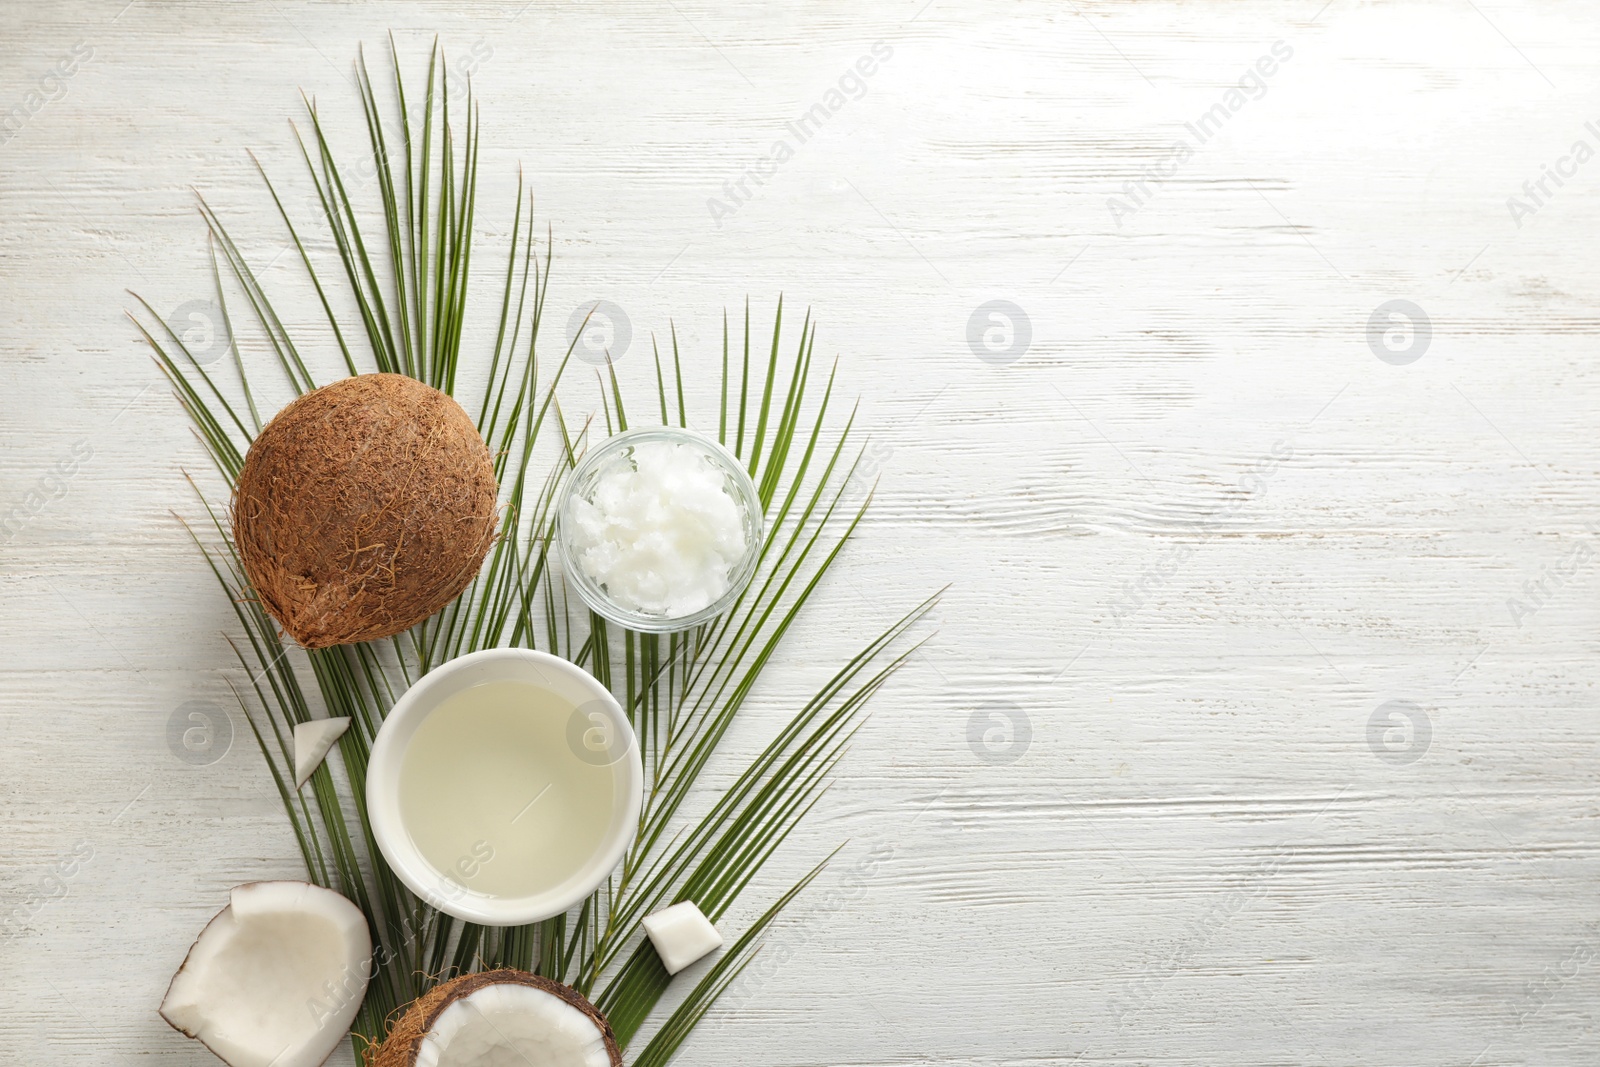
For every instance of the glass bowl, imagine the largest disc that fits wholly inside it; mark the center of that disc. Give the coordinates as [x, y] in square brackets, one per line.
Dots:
[616, 452]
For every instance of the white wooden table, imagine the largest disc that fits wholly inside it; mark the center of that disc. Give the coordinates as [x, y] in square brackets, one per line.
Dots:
[1260, 723]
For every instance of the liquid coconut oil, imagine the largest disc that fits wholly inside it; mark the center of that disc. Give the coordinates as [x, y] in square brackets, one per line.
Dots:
[496, 798]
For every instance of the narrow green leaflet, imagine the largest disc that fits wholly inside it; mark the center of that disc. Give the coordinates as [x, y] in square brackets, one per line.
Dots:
[408, 286]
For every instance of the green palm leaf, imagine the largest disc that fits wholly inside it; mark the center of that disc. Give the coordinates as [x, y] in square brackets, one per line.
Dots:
[681, 691]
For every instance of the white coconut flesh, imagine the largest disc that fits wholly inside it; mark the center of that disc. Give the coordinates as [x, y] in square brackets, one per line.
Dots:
[512, 1025]
[312, 740]
[275, 979]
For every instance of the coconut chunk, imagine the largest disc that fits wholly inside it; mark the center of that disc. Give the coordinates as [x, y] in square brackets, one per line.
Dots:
[275, 978]
[312, 742]
[681, 934]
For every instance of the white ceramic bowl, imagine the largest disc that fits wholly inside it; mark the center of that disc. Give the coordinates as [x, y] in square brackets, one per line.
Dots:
[570, 683]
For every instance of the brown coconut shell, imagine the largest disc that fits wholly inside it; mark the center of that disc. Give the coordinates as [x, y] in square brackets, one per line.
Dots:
[363, 508]
[400, 1048]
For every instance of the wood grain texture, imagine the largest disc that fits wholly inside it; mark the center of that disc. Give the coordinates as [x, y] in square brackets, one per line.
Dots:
[1143, 799]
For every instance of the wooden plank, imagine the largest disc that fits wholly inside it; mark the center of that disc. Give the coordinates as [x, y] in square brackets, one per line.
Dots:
[1224, 560]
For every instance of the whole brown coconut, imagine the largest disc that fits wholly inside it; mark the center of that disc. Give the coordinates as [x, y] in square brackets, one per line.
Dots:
[363, 508]
[405, 1038]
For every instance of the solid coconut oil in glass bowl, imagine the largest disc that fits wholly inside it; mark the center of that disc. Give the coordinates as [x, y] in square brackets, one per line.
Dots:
[497, 797]
[660, 529]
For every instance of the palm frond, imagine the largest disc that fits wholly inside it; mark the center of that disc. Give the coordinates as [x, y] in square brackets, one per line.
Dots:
[409, 287]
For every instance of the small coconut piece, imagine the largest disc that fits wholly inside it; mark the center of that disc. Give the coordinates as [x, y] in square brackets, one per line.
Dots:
[503, 1018]
[312, 742]
[274, 979]
[363, 508]
[681, 934]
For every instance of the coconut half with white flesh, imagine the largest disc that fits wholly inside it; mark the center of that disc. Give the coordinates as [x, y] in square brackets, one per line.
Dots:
[275, 979]
[503, 1018]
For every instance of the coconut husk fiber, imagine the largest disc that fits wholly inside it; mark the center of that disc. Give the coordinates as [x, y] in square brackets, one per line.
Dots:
[399, 1049]
[363, 508]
